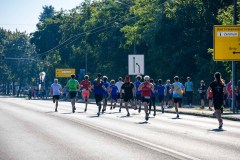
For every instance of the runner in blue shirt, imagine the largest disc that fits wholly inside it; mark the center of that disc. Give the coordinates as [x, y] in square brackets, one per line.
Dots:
[160, 93]
[99, 91]
[113, 92]
[138, 97]
[105, 95]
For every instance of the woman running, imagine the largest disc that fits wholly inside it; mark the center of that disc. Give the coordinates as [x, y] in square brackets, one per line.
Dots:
[85, 86]
[113, 92]
[218, 88]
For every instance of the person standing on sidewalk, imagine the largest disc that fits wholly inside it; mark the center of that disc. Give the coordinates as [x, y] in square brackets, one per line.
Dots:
[73, 87]
[55, 91]
[178, 90]
[202, 92]
[218, 88]
[85, 85]
[189, 91]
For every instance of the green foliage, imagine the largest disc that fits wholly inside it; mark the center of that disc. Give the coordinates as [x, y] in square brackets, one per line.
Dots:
[174, 35]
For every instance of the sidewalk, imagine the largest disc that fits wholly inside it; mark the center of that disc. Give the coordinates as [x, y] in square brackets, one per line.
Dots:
[196, 111]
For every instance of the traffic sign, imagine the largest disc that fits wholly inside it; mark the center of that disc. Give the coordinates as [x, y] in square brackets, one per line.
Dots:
[226, 43]
[136, 64]
[64, 73]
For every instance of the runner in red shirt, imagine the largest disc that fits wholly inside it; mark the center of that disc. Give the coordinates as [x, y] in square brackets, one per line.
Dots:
[85, 86]
[146, 88]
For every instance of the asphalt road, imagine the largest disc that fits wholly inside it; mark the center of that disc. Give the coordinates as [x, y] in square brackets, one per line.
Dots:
[30, 129]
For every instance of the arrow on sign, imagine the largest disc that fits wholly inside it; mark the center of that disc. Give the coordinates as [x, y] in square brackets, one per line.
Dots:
[236, 52]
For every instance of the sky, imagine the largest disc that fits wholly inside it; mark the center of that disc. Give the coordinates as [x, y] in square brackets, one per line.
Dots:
[23, 14]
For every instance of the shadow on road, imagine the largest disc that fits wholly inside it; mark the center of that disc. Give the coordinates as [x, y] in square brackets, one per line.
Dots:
[94, 116]
[50, 112]
[216, 130]
[67, 113]
[144, 122]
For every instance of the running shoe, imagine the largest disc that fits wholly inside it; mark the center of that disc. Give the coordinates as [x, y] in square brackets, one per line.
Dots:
[110, 108]
[56, 110]
[154, 114]
[85, 110]
[139, 109]
[103, 110]
[177, 115]
[220, 126]
[98, 114]
[120, 110]
[162, 110]
[128, 114]
[146, 116]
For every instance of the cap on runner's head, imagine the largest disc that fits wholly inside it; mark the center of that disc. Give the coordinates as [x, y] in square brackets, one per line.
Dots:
[176, 78]
[120, 78]
[146, 78]
[72, 76]
[86, 77]
[55, 80]
[138, 77]
[105, 78]
[112, 81]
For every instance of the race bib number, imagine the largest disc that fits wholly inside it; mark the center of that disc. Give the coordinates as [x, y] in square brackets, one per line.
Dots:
[147, 97]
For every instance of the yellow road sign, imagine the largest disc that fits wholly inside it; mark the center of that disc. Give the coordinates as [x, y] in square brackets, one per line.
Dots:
[226, 43]
[64, 73]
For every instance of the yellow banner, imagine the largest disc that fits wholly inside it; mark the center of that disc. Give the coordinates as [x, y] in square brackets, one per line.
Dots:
[64, 73]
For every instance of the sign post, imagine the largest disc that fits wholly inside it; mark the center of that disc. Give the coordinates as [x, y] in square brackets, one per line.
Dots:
[227, 48]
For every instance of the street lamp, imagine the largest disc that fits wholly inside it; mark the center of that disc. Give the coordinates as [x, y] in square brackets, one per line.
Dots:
[135, 20]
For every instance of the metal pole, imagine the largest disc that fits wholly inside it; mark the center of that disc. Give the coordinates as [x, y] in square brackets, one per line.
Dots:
[233, 63]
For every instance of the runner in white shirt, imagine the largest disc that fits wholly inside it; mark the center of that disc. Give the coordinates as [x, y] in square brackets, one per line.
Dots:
[56, 90]
[119, 86]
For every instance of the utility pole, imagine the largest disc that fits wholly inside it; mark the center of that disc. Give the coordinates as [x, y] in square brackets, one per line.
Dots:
[233, 62]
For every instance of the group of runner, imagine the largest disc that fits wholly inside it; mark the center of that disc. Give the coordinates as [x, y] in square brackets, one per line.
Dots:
[136, 93]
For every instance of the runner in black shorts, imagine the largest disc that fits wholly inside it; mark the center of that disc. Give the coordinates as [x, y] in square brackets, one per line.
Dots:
[129, 90]
[218, 88]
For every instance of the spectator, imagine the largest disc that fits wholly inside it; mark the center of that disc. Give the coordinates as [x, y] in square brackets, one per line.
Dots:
[189, 91]
[202, 92]
[229, 94]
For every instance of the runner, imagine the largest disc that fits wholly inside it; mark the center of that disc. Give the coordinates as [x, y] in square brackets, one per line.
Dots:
[146, 88]
[56, 90]
[189, 91]
[237, 91]
[168, 94]
[105, 95]
[210, 99]
[99, 90]
[86, 89]
[113, 92]
[160, 92]
[138, 93]
[129, 89]
[119, 85]
[178, 90]
[202, 91]
[73, 87]
[218, 88]
[153, 98]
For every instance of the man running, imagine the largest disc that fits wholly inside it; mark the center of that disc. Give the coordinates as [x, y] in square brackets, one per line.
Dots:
[73, 87]
[138, 93]
[129, 90]
[168, 94]
[146, 87]
[160, 92]
[113, 92]
[178, 90]
[119, 85]
[105, 95]
[99, 90]
[218, 88]
[56, 90]
[86, 89]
